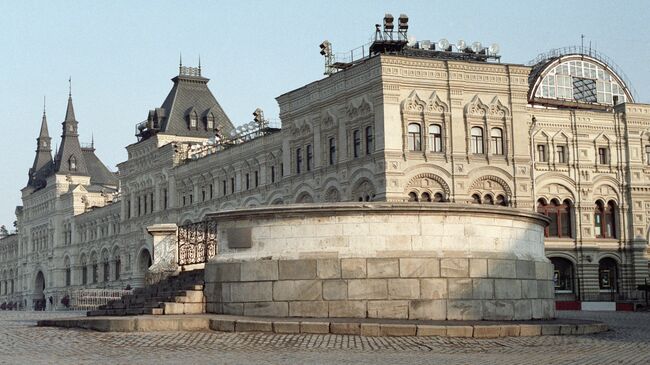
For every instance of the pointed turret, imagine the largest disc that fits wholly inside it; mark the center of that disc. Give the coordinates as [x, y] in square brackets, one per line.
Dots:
[42, 166]
[69, 159]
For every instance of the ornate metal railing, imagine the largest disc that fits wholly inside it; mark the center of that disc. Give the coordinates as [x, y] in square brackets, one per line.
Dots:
[197, 242]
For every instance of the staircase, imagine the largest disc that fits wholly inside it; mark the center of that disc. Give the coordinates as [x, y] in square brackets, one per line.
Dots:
[179, 294]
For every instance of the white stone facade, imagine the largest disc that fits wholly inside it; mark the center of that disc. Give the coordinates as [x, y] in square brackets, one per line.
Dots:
[353, 137]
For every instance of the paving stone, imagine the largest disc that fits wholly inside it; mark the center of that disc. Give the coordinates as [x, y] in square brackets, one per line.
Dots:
[397, 329]
[286, 327]
[253, 326]
[315, 327]
[460, 331]
[369, 329]
[431, 330]
[345, 328]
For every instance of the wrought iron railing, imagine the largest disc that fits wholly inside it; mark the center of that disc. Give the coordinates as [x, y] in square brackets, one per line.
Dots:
[197, 242]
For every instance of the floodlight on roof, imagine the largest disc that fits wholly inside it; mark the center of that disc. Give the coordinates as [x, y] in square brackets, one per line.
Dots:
[325, 48]
[477, 47]
[233, 133]
[443, 44]
[403, 24]
[461, 45]
[494, 49]
[388, 23]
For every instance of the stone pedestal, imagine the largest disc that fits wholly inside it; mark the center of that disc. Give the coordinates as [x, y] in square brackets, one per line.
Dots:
[165, 252]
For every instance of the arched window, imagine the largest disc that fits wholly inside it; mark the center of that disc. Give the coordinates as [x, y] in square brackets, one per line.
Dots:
[438, 198]
[118, 267]
[477, 140]
[560, 215]
[435, 138]
[107, 269]
[356, 143]
[414, 137]
[413, 196]
[332, 151]
[370, 141]
[68, 272]
[84, 274]
[209, 122]
[605, 220]
[95, 271]
[426, 197]
[501, 200]
[476, 199]
[193, 120]
[496, 135]
[488, 199]
[72, 163]
[607, 274]
[562, 275]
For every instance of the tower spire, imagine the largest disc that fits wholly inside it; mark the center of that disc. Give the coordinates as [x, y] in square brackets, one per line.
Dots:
[70, 86]
[42, 166]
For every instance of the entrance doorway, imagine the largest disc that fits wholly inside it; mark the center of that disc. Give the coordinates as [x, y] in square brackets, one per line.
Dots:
[39, 295]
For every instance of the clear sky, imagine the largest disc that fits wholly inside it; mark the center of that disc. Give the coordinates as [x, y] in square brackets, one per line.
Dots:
[122, 54]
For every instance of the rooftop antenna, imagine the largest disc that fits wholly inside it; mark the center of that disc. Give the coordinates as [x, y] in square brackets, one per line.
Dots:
[582, 43]
[180, 62]
[199, 64]
[43, 104]
[70, 86]
[92, 140]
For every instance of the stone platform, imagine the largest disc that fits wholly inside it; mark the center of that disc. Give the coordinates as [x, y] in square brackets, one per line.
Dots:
[341, 326]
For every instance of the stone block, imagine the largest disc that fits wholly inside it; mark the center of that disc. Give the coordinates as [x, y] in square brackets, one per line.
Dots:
[403, 288]
[551, 329]
[235, 309]
[193, 308]
[328, 268]
[528, 330]
[286, 327]
[251, 292]
[501, 268]
[481, 331]
[297, 290]
[536, 306]
[335, 289]
[523, 309]
[253, 326]
[353, 268]
[297, 269]
[367, 289]
[498, 310]
[454, 268]
[345, 328]
[482, 289]
[223, 325]
[419, 267]
[525, 269]
[225, 293]
[308, 309]
[509, 330]
[543, 270]
[347, 309]
[397, 330]
[396, 309]
[466, 310]
[193, 324]
[460, 331]
[433, 288]
[266, 309]
[382, 268]
[173, 308]
[478, 268]
[507, 289]
[259, 270]
[315, 327]
[428, 309]
[529, 289]
[459, 288]
[431, 330]
[370, 329]
[226, 271]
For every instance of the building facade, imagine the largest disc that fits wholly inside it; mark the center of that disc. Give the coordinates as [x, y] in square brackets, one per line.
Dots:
[562, 137]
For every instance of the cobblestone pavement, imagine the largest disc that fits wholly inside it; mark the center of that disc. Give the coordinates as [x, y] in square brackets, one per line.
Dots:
[627, 342]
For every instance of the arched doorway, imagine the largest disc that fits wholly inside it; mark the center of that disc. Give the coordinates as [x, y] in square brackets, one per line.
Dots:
[563, 278]
[144, 261]
[39, 295]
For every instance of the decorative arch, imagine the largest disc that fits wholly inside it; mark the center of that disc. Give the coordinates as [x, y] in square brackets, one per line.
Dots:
[497, 109]
[436, 105]
[304, 197]
[413, 103]
[332, 195]
[476, 108]
[429, 181]
[491, 183]
[363, 190]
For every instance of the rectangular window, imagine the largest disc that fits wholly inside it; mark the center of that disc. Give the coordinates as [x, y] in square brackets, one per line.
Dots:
[310, 157]
[211, 192]
[164, 198]
[561, 154]
[128, 209]
[232, 185]
[435, 138]
[145, 204]
[332, 150]
[541, 153]
[298, 160]
[272, 174]
[370, 143]
[356, 143]
[151, 202]
[191, 199]
[139, 207]
[257, 179]
[647, 155]
[603, 156]
[224, 188]
[203, 196]
[248, 181]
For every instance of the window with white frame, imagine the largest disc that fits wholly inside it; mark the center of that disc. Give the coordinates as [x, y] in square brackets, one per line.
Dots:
[477, 140]
[435, 138]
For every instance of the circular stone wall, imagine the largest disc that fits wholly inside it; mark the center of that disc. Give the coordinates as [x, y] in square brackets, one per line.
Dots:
[381, 260]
